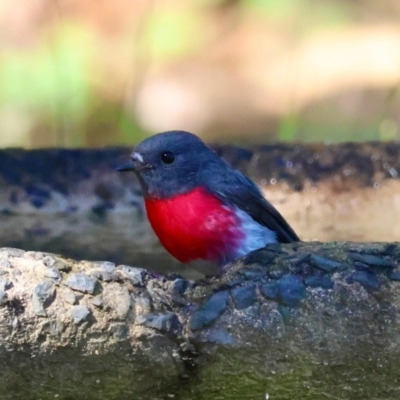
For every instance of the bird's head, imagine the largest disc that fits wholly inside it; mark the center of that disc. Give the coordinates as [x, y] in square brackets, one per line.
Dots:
[168, 163]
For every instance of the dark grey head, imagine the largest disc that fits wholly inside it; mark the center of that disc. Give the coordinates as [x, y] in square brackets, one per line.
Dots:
[168, 163]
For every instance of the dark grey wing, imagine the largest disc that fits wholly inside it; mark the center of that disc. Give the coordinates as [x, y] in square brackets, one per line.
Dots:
[233, 188]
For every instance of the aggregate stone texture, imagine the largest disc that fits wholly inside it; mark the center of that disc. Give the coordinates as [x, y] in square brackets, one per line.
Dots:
[302, 319]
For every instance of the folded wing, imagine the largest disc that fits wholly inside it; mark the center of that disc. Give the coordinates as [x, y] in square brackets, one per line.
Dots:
[233, 188]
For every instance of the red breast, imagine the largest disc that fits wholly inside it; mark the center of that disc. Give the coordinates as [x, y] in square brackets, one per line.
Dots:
[195, 225]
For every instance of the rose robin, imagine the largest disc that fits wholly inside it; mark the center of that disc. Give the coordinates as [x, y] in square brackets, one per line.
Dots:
[200, 207]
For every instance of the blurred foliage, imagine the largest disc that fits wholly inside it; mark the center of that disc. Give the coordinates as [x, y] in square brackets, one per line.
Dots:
[300, 14]
[288, 127]
[173, 33]
[75, 77]
[52, 82]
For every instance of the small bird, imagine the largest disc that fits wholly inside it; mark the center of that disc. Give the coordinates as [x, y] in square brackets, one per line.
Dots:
[198, 205]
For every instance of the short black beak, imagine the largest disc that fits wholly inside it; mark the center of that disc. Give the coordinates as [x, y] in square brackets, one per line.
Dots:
[136, 164]
[126, 167]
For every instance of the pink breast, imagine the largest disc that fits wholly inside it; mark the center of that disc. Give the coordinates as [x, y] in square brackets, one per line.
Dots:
[195, 225]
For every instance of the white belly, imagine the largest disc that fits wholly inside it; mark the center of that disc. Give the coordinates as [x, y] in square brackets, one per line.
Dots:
[256, 236]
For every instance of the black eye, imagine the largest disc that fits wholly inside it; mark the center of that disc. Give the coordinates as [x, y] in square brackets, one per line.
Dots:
[167, 157]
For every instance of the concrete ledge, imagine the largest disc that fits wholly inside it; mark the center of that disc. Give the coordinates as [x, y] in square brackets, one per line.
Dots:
[294, 321]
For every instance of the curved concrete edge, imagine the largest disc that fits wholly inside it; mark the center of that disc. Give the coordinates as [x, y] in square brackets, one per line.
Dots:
[284, 319]
[74, 203]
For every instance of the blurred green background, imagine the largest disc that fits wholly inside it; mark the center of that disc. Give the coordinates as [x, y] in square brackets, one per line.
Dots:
[84, 73]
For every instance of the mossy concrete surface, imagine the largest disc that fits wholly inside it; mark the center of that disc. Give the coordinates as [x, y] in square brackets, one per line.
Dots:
[298, 321]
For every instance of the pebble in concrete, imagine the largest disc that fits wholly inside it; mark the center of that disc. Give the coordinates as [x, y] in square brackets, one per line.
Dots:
[104, 271]
[221, 336]
[277, 271]
[52, 262]
[262, 256]
[367, 279]
[119, 330]
[3, 298]
[253, 274]
[12, 252]
[49, 260]
[81, 283]
[179, 286]
[358, 265]
[244, 297]
[4, 263]
[324, 282]
[394, 276]
[53, 274]
[116, 298]
[60, 266]
[209, 311]
[55, 327]
[270, 290]
[371, 259]
[5, 284]
[43, 295]
[102, 275]
[167, 322]
[325, 264]
[289, 290]
[69, 296]
[97, 301]
[106, 266]
[142, 305]
[79, 314]
[134, 275]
